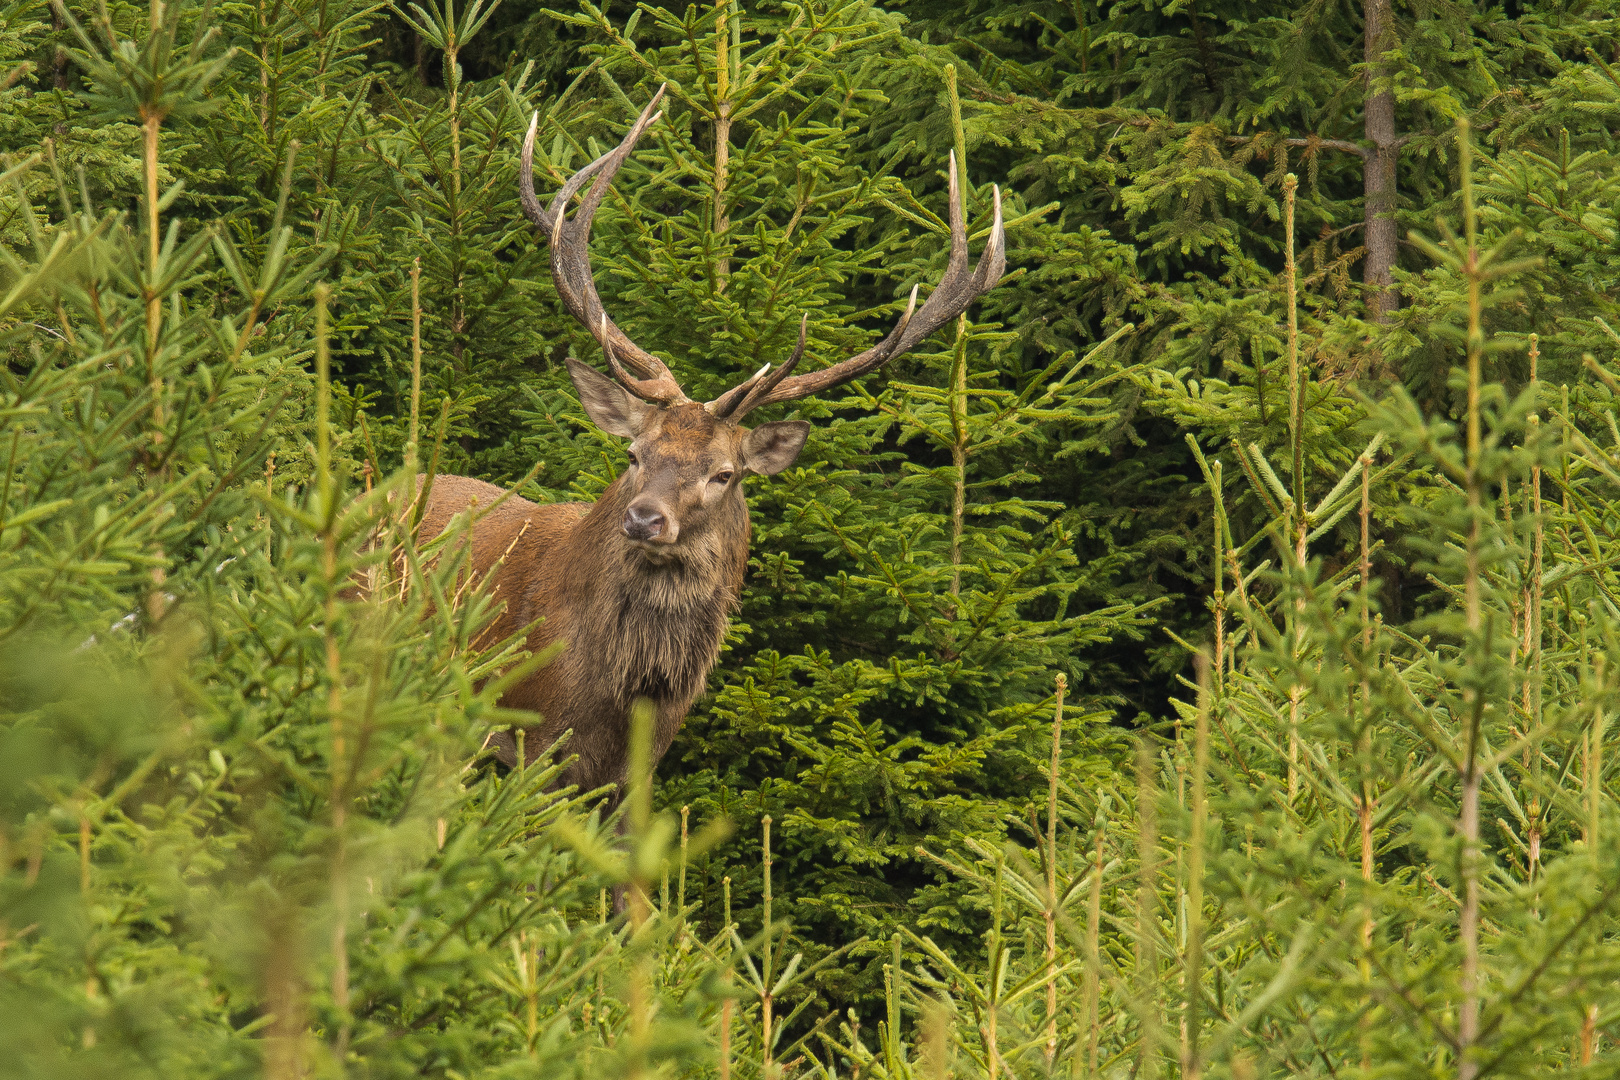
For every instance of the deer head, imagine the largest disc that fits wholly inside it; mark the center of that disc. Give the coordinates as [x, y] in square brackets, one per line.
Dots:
[687, 459]
[686, 464]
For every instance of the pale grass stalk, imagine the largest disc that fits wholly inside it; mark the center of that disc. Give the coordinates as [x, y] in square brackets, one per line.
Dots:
[959, 448]
[151, 123]
[959, 434]
[723, 60]
[84, 854]
[339, 765]
[1220, 577]
[893, 973]
[452, 52]
[1564, 458]
[936, 1042]
[410, 508]
[680, 886]
[992, 1040]
[765, 1002]
[1093, 953]
[1296, 441]
[284, 997]
[1296, 388]
[1474, 704]
[90, 982]
[639, 1003]
[725, 1035]
[1532, 633]
[1147, 960]
[1594, 768]
[157, 602]
[992, 983]
[1191, 1065]
[1364, 800]
[529, 968]
[1051, 872]
[958, 133]
[725, 978]
[411, 446]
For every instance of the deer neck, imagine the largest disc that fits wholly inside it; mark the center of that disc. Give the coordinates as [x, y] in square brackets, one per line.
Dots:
[653, 629]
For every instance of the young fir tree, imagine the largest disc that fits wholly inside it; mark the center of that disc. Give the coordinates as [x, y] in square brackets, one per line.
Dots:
[1296, 906]
[1164, 137]
[1372, 847]
[237, 831]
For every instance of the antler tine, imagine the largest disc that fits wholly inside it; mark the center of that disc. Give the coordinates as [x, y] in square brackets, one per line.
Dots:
[955, 291]
[726, 404]
[526, 196]
[764, 389]
[571, 260]
[737, 400]
[646, 389]
[959, 288]
[546, 220]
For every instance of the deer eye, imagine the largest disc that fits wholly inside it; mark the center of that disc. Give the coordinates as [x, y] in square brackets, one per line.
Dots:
[721, 477]
[632, 455]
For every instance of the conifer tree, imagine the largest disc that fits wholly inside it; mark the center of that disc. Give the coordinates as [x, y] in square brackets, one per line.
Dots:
[237, 831]
[260, 264]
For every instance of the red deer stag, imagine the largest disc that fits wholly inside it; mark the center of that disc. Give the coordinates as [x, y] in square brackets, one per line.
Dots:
[639, 584]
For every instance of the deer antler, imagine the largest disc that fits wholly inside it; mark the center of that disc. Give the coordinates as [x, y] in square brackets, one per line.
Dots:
[571, 258]
[571, 270]
[955, 291]
[736, 401]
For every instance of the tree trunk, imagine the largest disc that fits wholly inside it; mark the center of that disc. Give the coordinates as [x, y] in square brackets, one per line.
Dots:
[59, 54]
[1379, 165]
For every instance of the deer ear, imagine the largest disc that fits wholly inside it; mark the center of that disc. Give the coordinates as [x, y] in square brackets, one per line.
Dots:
[770, 448]
[607, 403]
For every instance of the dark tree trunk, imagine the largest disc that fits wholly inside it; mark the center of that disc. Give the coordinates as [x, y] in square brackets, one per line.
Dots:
[58, 63]
[59, 57]
[1379, 165]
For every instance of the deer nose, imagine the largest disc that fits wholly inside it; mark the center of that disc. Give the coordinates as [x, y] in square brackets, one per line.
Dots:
[643, 523]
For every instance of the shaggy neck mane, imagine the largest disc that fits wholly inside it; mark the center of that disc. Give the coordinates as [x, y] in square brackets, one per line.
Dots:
[653, 629]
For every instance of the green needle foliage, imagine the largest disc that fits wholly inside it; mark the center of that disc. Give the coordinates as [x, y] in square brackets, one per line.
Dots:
[1188, 664]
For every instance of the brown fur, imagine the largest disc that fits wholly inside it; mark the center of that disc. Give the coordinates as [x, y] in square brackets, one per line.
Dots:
[636, 619]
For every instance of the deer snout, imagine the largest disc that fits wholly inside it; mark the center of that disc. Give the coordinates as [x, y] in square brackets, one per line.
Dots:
[645, 521]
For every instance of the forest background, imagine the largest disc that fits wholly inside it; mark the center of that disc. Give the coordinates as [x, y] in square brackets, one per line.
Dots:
[264, 259]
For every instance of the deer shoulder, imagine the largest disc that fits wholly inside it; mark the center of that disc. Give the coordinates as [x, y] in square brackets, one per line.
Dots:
[511, 541]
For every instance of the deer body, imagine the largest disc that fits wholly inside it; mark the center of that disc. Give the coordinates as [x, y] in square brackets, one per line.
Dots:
[637, 587]
[629, 627]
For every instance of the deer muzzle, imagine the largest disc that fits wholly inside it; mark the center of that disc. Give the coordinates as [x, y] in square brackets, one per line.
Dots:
[646, 522]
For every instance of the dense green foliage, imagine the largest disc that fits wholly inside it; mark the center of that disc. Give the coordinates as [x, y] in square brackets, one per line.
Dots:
[1323, 595]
